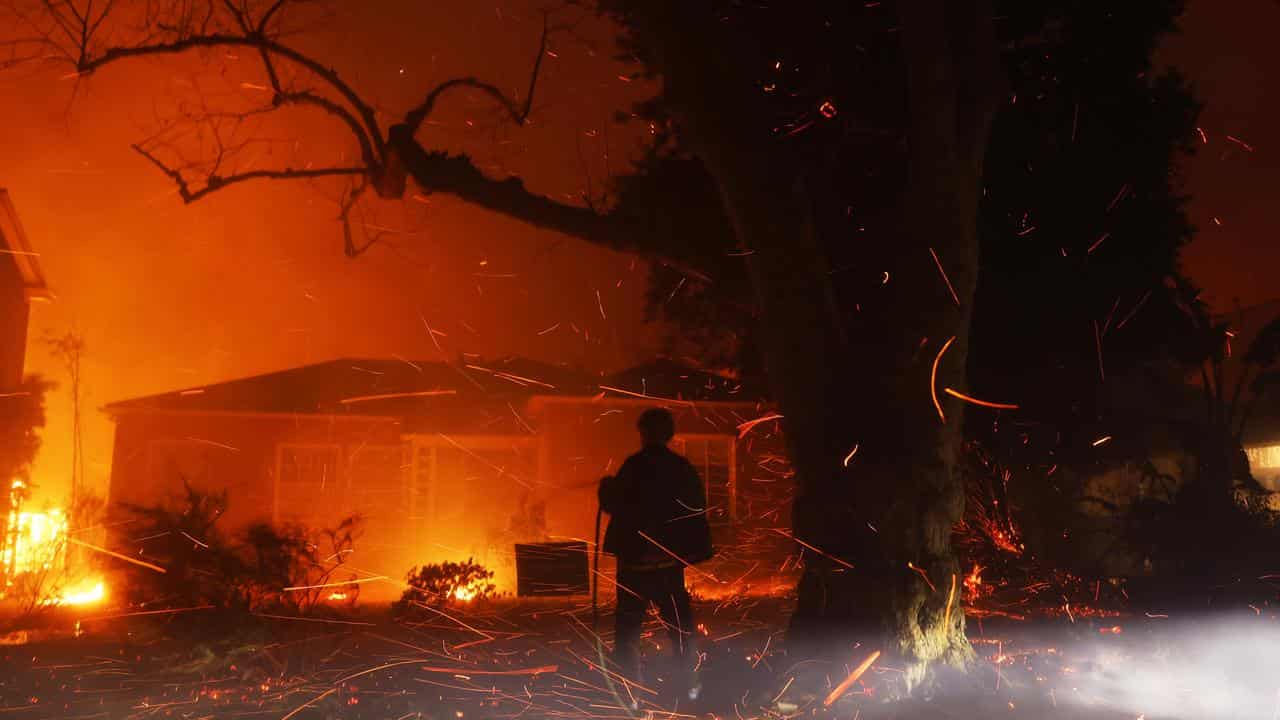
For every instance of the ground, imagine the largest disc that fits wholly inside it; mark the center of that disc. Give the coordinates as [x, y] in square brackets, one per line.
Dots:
[539, 660]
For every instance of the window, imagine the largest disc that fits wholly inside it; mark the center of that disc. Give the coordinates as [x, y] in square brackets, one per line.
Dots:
[1264, 463]
[307, 483]
[715, 458]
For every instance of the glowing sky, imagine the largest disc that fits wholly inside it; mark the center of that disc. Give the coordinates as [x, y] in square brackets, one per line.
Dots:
[253, 279]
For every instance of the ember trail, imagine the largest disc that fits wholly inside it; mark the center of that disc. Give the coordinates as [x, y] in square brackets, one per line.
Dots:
[609, 359]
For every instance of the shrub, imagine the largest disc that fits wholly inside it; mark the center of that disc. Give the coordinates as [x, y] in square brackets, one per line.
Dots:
[441, 584]
[257, 569]
[186, 541]
[279, 559]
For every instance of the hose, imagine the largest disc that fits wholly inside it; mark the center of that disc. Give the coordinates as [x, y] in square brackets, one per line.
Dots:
[595, 621]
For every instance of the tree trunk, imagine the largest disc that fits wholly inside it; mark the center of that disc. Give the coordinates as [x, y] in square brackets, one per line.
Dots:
[875, 525]
[876, 531]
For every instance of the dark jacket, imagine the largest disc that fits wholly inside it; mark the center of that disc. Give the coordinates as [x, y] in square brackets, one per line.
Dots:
[658, 493]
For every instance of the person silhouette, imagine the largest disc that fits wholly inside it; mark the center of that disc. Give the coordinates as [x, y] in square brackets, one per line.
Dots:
[657, 525]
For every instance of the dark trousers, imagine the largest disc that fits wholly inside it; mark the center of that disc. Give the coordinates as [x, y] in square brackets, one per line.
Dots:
[663, 587]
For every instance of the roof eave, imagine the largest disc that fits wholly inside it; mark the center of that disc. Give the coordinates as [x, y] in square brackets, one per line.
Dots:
[115, 412]
[14, 240]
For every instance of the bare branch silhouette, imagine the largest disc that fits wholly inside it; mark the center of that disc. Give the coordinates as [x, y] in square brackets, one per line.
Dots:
[415, 117]
[215, 182]
[80, 33]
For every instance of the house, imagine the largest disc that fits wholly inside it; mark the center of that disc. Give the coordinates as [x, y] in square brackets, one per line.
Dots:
[443, 461]
[21, 281]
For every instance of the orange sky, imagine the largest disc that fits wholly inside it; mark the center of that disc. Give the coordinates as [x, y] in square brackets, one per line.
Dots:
[253, 278]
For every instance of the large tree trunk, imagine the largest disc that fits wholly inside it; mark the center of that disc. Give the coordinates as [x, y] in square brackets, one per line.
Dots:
[876, 529]
[879, 565]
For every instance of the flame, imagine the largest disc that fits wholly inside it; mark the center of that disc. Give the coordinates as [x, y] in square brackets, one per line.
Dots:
[36, 541]
[465, 594]
[89, 595]
[973, 583]
[337, 596]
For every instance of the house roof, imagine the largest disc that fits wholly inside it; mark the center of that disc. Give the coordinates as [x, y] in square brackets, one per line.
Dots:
[14, 245]
[367, 386]
[667, 379]
[399, 388]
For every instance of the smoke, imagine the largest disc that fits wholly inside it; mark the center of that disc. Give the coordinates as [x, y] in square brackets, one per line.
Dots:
[1197, 668]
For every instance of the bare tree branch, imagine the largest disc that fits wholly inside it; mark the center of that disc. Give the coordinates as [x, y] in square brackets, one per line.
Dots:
[266, 16]
[456, 175]
[346, 205]
[386, 159]
[416, 116]
[215, 182]
[366, 127]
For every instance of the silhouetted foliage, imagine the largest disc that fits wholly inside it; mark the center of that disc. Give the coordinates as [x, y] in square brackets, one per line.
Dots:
[1082, 224]
[298, 568]
[437, 585]
[265, 567]
[185, 540]
[22, 414]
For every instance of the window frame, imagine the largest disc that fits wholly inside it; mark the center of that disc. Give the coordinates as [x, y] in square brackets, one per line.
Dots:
[281, 447]
[681, 443]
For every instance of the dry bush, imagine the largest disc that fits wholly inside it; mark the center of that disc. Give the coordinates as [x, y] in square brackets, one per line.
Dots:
[437, 585]
[288, 567]
[298, 569]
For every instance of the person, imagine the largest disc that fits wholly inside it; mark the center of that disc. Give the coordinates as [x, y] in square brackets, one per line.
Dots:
[657, 525]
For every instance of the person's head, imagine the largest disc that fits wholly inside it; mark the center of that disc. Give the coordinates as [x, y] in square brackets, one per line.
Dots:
[656, 427]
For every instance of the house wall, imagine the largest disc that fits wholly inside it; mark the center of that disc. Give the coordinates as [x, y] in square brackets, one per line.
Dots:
[435, 496]
[246, 454]
[14, 312]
